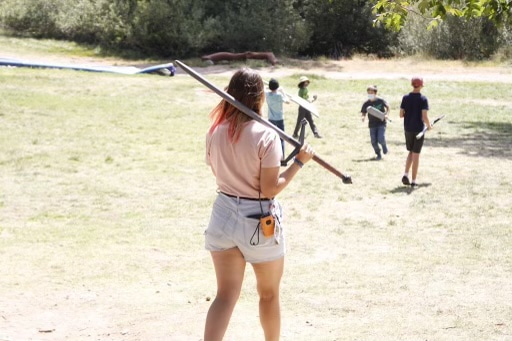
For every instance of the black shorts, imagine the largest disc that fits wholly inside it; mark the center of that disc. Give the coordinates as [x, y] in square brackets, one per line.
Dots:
[411, 143]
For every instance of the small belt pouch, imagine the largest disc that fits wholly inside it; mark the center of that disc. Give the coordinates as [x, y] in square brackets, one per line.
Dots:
[268, 225]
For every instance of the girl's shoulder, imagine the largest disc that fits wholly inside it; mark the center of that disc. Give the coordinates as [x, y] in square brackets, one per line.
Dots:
[260, 132]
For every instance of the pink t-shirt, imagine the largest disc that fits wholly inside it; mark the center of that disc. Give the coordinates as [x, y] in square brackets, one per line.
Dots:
[237, 166]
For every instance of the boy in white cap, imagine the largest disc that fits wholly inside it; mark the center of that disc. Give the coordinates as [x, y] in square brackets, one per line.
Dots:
[304, 113]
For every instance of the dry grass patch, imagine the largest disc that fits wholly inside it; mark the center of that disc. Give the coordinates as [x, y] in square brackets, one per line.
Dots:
[104, 197]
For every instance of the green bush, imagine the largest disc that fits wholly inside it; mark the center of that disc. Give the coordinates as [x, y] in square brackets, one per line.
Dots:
[454, 38]
[32, 17]
[175, 28]
[504, 52]
[186, 30]
[341, 28]
[458, 38]
[248, 25]
[78, 21]
[190, 28]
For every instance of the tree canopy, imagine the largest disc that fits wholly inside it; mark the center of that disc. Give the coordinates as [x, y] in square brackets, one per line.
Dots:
[393, 13]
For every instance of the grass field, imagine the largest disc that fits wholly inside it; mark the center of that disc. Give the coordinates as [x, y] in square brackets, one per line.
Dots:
[104, 197]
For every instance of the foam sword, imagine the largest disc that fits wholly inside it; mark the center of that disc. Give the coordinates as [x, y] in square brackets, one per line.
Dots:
[230, 99]
[425, 128]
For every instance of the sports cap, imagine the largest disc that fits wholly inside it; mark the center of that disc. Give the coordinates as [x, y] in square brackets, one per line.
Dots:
[417, 82]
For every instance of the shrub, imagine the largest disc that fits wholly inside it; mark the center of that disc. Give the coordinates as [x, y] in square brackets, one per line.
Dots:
[454, 38]
[36, 17]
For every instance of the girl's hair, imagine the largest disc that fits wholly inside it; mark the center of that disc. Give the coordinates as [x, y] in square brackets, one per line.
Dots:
[246, 86]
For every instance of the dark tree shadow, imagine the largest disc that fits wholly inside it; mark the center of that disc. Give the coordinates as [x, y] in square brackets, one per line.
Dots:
[479, 139]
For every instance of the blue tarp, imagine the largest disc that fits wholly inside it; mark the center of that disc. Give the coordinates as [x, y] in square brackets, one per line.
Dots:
[125, 70]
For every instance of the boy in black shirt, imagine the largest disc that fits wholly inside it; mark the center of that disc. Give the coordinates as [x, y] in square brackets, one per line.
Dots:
[414, 110]
[377, 126]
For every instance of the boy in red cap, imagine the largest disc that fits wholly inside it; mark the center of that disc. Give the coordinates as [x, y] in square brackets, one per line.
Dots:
[414, 110]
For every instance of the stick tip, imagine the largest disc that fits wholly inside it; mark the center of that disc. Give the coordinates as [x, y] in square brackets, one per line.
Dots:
[347, 179]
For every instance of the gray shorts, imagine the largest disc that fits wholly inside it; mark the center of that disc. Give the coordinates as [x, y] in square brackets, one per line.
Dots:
[231, 226]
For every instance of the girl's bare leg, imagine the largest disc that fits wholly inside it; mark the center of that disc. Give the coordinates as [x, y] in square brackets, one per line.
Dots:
[229, 269]
[268, 277]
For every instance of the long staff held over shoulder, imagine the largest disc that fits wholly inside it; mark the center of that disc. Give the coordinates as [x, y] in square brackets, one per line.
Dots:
[346, 178]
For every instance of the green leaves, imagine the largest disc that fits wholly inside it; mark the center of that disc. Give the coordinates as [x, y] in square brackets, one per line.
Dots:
[393, 13]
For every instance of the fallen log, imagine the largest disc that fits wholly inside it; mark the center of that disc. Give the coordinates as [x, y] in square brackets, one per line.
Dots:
[228, 56]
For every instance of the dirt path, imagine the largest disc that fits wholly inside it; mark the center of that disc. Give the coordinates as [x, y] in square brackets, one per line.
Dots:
[356, 68]
[385, 69]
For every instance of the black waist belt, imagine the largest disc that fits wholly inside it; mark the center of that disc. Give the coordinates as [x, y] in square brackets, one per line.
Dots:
[244, 198]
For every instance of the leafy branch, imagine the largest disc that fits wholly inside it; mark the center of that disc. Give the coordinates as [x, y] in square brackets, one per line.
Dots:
[393, 13]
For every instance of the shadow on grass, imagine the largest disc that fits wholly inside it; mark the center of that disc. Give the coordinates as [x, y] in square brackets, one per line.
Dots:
[480, 139]
[408, 189]
[366, 160]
